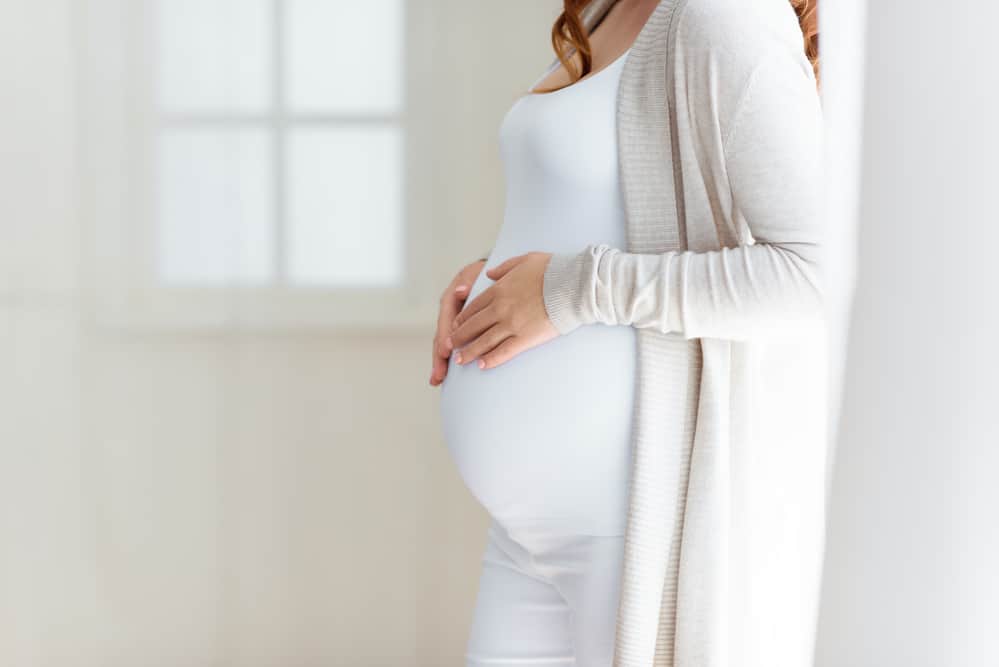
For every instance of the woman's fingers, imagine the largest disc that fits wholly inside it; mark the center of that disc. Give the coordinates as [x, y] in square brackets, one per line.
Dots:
[502, 268]
[446, 319]
[474, 306]
[471, 329]
[503, 352]
[483, 344]
[438, 370]
[450, 304]
[508, 318]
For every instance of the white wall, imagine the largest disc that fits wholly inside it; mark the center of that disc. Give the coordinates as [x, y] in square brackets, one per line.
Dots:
[911, 577]
[188, 500]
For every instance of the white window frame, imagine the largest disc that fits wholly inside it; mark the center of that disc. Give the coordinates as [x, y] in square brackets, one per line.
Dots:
[119, 125]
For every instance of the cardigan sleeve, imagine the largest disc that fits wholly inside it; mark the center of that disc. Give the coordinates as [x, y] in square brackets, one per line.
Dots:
[772, 153]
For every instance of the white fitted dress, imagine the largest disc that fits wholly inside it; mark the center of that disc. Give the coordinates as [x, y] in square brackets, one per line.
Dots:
[542, 441]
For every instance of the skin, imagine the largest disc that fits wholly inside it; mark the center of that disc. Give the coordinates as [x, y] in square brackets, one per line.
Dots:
[451, 302]
[509, 317]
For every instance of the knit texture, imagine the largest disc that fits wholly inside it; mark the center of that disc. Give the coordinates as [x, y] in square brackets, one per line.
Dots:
[719, 130]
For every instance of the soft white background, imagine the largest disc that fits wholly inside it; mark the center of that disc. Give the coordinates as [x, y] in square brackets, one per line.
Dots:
[283, 498]
[911, 577]
[206, 498]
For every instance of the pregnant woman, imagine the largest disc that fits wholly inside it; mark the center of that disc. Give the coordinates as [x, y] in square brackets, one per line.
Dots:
[633, 382]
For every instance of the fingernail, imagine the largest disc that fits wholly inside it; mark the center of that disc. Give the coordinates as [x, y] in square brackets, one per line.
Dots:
[461, 288]
[457, 357]
[482, 364]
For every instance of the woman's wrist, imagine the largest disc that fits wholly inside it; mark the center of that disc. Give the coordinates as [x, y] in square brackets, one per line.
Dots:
[563, 289]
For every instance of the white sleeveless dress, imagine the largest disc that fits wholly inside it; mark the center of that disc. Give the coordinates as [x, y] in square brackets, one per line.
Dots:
[544, 439]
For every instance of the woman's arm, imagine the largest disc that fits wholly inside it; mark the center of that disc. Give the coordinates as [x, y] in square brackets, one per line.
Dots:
[773, 156]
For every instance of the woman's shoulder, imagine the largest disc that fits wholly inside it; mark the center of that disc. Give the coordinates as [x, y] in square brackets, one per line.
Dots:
[740, 32]
[720, 45]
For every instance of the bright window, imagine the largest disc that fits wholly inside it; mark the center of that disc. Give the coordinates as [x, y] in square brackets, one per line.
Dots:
[279, 155]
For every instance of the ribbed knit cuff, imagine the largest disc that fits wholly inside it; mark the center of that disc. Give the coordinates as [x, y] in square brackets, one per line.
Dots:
[564, 288]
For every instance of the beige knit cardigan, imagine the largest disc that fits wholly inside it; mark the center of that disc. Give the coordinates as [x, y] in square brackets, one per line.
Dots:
[719, 128]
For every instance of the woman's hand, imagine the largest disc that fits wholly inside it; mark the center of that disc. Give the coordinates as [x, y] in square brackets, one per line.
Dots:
[507, 318]
[451, 301]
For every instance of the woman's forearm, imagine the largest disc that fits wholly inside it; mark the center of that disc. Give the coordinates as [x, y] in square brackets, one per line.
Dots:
[773, 157]
[733, 293]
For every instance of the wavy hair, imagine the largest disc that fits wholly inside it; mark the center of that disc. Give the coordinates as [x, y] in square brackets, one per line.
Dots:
[808, 19]
[568, 33]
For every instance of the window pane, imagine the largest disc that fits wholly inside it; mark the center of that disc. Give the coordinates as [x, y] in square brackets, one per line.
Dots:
[345, 206]
[215, 206]
[345, 55]
[214, 55]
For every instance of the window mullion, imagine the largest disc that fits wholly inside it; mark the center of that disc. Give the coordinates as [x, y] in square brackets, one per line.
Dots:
[279, 137]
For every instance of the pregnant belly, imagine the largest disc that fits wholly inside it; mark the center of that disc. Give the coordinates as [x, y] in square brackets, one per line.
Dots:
[545, 437]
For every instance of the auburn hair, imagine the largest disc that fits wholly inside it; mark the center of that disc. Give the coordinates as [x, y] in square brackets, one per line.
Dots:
[568, 33]
[808, 19]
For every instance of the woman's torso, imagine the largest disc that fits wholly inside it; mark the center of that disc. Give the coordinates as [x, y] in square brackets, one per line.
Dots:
[546, 436]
